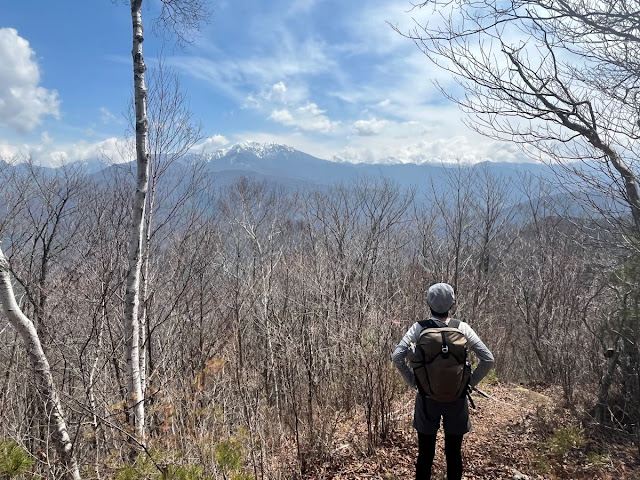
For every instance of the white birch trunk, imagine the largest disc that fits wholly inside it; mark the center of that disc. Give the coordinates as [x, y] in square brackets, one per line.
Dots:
[132, 297]
[144, 284]
[42, 372]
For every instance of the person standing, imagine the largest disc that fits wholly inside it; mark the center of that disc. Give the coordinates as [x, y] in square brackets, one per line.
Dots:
[429, 412]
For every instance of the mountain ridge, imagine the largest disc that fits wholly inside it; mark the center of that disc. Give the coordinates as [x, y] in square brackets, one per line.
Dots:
[282, 161]
[294, 168]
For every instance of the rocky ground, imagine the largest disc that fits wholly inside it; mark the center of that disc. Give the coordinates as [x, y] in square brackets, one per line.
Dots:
[518, 434]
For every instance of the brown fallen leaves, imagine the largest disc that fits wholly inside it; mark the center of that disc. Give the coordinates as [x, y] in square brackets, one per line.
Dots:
[509, 440]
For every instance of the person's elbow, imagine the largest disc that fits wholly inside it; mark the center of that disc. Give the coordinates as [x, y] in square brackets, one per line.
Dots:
[489, 360]
[487, 364]
[398, 355]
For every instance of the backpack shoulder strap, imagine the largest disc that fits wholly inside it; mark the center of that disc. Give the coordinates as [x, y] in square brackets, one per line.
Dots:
[454, 323]
[429, 323]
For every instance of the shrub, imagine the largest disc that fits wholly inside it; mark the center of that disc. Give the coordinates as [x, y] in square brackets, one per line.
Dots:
[564, 440]
[228, 455]
[14, 459]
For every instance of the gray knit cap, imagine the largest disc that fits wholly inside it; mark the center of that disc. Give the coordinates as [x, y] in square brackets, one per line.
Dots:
[441, 297]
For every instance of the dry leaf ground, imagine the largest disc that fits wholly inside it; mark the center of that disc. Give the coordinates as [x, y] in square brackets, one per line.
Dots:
[509, 440]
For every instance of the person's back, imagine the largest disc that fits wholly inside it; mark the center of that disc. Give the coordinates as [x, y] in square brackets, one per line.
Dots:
[428, 411]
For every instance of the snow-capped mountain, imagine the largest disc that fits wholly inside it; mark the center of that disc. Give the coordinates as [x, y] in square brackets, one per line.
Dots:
[278, 161]
[259, 150]
[290, 167]
[92, 165]
[286, 164]
[379, 161]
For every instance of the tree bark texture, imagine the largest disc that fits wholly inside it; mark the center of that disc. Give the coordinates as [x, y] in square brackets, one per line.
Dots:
[42, 372]
[132, 298]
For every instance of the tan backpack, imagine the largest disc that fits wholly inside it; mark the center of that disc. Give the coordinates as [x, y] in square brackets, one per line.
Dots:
[440, 361]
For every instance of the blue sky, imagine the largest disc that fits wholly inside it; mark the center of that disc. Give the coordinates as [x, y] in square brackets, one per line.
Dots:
[328, 77]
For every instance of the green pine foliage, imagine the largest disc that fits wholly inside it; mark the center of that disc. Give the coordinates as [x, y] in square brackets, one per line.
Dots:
[564, 440]
[144, 469]
[186, 472]
[14, 460]
[228, 455]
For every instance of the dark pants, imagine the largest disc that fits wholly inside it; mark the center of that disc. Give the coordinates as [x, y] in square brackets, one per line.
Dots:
[427, 450]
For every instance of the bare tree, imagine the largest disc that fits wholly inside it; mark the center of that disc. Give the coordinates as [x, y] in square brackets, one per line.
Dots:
[42, 372]
[181, 16]
[454, 206]
[132, 353]
[558, 77]
[493, 218]
[173, 179]
[43, 232]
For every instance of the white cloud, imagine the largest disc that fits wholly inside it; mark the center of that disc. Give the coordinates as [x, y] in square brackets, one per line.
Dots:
[23, 102]
[300, 7]
[115, 150]
[251, 102]
[277, 93]
[212, 144]
[290, 59]
[447, 149]
[282, 116]
[108, 117]
[276, 96]
[51, 153]
[307, 117]
[46, 138]
[371, 127]
[8, 152]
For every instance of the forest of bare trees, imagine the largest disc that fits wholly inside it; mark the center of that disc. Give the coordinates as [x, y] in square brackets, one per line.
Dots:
[159, 324]
[270, 314]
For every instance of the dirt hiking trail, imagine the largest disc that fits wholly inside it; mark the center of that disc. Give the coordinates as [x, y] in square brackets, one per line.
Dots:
[520, 434]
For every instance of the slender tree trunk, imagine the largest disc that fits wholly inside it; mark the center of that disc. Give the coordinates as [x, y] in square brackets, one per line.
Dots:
[145, 331]
[132, 298]
[42, 372]
[7, 376]
[96, 423]
[143, 326]
[605, 385]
